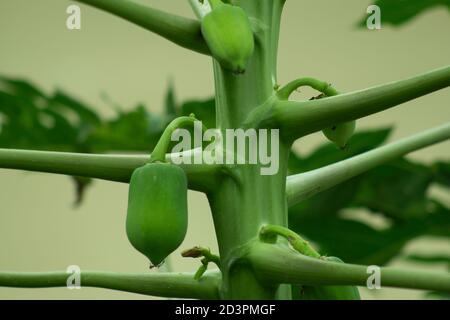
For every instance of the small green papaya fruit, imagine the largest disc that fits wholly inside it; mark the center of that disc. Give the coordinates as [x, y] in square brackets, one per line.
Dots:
[329, 292]
[340, 134]
[229, 36]
[157, 213]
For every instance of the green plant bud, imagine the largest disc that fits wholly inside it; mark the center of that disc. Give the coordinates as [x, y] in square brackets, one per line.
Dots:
[157, 210]
[340, 134]
[229, 36]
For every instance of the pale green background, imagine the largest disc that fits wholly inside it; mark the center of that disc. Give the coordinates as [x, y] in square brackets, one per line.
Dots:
[39, 230]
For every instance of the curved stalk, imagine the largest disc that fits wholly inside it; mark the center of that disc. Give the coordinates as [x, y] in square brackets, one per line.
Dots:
[297, 119]
[269, 234]
[304, 185]
[279, 264]
[285, 92]
[173, 285]
[161, 148]
[182, 31]
[201, 177]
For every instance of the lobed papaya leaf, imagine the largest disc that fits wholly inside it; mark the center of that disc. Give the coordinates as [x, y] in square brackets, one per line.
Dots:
[134, 130]
[356, 242]
[397, 190]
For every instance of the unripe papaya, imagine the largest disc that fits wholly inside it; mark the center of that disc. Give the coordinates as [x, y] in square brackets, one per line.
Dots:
[340, 134]
[330, 292]
[229, 36]
[156, 221]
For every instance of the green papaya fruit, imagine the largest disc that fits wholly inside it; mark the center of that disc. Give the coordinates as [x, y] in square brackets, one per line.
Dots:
[229, 36]
[157, 214]
[329, 292]
[340, 134]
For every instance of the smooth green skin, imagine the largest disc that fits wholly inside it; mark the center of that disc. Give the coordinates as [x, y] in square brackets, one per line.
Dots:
[157, 216]
[239, 198]
[329, 292]
[229, 36]
[340, 134]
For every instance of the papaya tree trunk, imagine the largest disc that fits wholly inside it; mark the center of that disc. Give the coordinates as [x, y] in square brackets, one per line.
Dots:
[242, 205]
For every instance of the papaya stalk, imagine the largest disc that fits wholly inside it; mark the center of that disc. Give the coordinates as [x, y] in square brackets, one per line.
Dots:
[340, 133]
[207, 257]
[270, 233]
[238, 221]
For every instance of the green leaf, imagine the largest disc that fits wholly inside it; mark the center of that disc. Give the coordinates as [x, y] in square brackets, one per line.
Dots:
[429, 258]
[397, 190]
[441, 171]
[21, 88]
[64, 103]
[327, 203]
[204, 110]
[81, 185]
[438, 295]
[352, 241]
[328, 153]
[399, 12]
[170, 101]
[135, 130]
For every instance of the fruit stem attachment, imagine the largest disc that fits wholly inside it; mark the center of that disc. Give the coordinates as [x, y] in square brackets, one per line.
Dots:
[269, 234]
[215, 3]
[208, 257]
[285, 92]
[160, 151]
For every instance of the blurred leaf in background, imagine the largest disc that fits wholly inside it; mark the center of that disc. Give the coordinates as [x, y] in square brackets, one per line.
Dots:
[433, 259]
[396, 193]
[399, 12]
[31, 119]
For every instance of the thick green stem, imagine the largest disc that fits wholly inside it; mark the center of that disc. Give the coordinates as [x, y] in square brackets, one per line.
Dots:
[118, 168]
[241, 206]
[297, 119]
[182, 31]
[279, 264]
[173, 285]
[304, 185]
